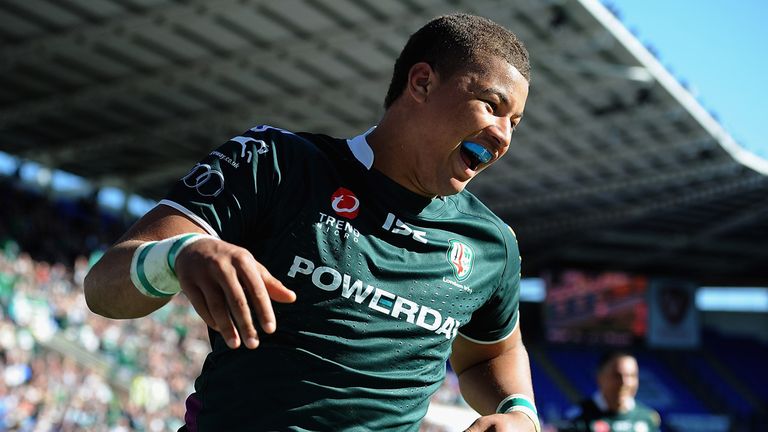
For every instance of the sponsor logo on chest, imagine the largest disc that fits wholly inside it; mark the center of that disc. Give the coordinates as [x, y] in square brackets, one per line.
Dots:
[377, 299]
[346, 207]
[345, 203]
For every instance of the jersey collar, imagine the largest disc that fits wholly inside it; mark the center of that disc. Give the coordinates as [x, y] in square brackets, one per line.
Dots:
[407, 201]
[603, 405]
[361, 149]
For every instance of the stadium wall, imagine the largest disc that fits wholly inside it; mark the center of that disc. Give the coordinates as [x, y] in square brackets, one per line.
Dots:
[737, 324]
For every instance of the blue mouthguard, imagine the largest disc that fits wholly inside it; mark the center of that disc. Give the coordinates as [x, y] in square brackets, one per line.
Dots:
[483, 155]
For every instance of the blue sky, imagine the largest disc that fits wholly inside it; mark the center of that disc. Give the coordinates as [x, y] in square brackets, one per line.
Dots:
[720, 49]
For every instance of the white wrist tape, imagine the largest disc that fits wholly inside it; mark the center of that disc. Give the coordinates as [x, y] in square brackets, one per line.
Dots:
[520, 403]
[153, 265]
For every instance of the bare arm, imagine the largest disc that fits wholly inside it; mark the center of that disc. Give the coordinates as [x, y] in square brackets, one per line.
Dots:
[108, 288]
[224, 283]
[489, 373]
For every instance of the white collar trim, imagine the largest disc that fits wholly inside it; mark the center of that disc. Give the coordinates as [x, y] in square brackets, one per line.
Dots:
[603, 405]
[361, 149]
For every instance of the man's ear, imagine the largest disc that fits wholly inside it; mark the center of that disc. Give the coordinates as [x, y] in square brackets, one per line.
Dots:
[421, 81]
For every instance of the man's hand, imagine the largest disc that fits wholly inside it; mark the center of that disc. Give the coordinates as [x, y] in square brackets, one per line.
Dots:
[228, 287]
[511, 422]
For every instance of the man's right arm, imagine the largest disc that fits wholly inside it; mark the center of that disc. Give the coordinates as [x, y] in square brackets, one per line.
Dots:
[108, 288]
[223, 282]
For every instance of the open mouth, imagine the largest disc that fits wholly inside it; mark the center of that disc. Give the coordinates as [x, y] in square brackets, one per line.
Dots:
[474, 154]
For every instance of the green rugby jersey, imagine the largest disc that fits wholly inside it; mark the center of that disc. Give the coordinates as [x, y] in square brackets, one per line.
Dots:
[592, 416]
[385, 280]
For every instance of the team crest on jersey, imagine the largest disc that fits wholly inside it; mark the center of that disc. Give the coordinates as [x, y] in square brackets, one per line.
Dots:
[461, 257]
[345, 203]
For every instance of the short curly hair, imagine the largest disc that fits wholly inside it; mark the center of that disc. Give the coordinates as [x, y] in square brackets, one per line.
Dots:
[450, 43]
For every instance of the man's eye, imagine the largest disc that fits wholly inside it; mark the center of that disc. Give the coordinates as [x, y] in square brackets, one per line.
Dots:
[491, 105]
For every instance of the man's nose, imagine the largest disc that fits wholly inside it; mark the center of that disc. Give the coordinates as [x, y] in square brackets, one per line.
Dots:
[501, 131]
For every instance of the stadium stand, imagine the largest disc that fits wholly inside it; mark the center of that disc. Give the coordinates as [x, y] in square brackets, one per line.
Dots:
[667, 392]
[705, 375]
[746, 359]
[552, 402]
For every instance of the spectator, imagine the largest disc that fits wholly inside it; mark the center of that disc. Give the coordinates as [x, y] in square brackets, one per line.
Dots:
[613, 407]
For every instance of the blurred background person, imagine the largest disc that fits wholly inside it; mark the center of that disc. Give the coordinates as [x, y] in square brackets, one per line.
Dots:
[613, 407]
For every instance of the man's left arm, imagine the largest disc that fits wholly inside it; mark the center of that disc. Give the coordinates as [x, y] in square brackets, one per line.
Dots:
[490, 373]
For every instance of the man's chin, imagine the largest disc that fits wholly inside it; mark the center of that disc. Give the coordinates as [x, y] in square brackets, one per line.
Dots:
[455, 187]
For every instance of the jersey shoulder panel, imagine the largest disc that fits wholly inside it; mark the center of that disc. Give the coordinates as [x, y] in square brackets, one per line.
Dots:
[497, 319]
[245, 178]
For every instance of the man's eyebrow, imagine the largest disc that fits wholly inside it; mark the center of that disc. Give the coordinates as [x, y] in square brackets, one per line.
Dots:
[496, 92]
[502, 97]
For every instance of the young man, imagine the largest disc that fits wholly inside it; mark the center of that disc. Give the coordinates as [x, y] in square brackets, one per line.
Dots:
[613, 407]
[379, 264]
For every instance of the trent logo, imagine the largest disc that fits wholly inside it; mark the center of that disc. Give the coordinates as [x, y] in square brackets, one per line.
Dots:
[345, 203]
[461, 257]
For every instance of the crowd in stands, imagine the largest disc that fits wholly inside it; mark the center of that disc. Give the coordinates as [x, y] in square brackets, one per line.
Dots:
[63, 368]
[67, 369]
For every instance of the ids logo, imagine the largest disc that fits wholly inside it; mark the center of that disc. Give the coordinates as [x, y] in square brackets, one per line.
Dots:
[461, 257]
[345, 203]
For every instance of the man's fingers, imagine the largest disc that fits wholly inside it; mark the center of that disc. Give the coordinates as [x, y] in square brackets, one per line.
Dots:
[235, 287]
[197, 300]
[239, 308]
[476, 426]
[217, 305]
[277, 291]
[262, 304]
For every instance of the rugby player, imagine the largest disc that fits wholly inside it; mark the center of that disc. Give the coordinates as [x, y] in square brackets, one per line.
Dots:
[337, 276]
[613, 407]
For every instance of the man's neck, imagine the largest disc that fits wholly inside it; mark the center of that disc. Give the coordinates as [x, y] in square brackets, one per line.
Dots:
[390, 142]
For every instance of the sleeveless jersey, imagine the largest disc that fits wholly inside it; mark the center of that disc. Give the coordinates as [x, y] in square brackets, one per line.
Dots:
[385, 280]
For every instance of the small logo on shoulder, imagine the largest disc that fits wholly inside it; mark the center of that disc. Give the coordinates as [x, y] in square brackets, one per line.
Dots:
[205, 179]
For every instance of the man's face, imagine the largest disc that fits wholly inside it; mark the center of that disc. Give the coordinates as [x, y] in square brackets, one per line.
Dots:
[482, 104]
[618, 382]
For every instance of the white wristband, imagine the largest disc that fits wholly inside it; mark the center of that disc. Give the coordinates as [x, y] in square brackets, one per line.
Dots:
[153, 265]
[520, 403]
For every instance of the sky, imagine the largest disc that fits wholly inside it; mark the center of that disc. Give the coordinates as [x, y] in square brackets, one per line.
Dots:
[720, 49]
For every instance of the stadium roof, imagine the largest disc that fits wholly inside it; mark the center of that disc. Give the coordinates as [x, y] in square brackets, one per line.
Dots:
[616, 165]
